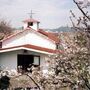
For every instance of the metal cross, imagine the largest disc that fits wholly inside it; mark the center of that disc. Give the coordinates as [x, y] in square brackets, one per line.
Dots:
[30, 14]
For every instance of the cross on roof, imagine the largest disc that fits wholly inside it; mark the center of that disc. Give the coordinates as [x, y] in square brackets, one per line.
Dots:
[31, 13]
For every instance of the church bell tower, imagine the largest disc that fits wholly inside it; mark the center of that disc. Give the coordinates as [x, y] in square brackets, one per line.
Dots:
[31, 23]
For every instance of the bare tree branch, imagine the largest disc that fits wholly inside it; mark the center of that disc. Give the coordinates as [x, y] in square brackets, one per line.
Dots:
[85, 14]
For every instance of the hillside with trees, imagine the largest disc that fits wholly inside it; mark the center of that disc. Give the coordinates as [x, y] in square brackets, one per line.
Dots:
[61, 29]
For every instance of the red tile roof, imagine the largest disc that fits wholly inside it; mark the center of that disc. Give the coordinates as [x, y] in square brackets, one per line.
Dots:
[28, 46]
[31, 20]
[49, 35]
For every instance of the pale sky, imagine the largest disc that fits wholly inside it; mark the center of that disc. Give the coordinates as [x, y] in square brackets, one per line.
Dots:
[51, 13]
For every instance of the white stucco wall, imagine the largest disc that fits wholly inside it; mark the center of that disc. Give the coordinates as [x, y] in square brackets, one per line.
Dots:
[25, 25]
[36, 39]
[9, 59]
[29, 37]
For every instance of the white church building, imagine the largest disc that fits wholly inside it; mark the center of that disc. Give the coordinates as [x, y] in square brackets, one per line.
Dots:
[28, 46]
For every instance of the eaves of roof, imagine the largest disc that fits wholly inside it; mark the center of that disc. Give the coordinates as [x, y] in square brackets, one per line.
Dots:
[31, 20]
[29, 46]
